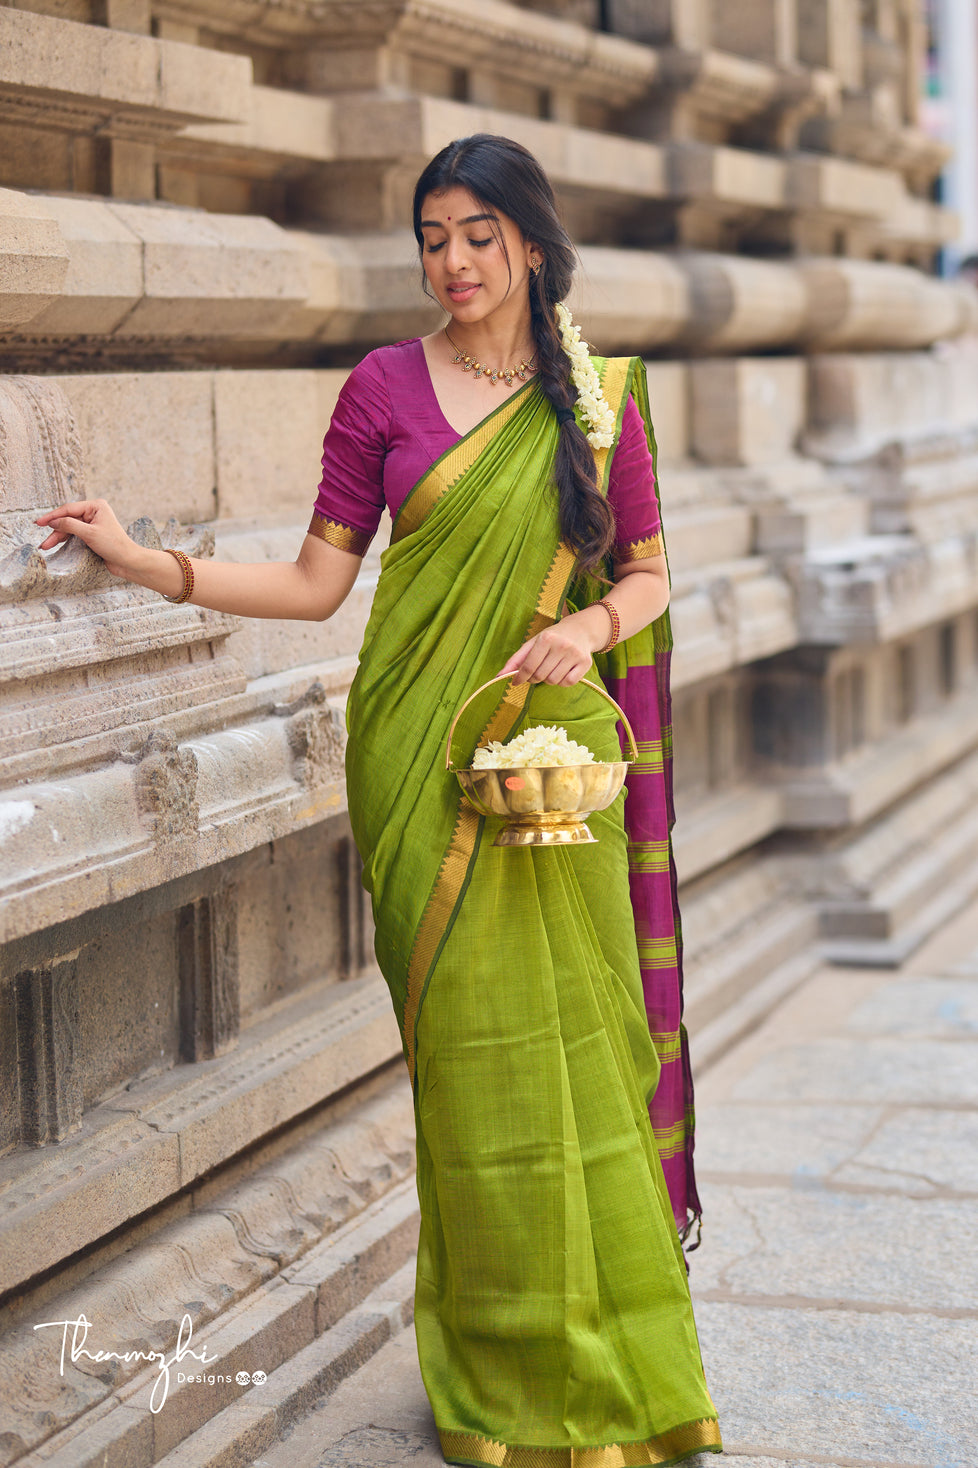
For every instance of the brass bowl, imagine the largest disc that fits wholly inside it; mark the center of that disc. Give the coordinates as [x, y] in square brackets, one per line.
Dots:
[543, 805]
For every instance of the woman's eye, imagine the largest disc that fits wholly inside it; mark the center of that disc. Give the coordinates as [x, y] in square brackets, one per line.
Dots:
[433, 249]
[481, 244]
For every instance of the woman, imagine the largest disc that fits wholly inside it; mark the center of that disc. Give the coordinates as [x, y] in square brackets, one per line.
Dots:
[552, 1310]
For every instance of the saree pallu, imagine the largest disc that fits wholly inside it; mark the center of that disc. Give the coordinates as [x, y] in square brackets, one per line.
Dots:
[552, 1309]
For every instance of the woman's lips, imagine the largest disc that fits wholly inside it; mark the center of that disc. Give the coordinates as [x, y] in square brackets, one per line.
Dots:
[462, 292]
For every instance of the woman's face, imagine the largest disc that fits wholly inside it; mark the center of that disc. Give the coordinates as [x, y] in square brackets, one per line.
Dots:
[464, 259]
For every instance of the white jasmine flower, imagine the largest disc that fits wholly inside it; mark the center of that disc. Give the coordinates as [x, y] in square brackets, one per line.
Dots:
[591, 399]
[544, 745]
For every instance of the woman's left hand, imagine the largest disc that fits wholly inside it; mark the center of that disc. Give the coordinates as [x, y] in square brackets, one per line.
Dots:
[561, 654]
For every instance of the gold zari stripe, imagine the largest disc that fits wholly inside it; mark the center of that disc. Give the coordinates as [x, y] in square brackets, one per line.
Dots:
[668, 1046]
[344, 537]
[648, 856]
[671, 1141]
[640, 550]
[669, 1447]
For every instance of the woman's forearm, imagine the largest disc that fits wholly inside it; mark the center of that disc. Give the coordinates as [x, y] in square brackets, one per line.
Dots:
[638, 598]
[310, 588]
[286, 589]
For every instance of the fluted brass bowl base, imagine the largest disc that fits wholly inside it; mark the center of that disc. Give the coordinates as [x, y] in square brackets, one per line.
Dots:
[543, 806]
[534, 832]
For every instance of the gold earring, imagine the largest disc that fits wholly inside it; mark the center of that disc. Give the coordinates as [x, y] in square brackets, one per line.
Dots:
[535, 266]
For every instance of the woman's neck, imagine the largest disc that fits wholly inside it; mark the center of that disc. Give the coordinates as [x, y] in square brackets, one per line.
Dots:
[500, 343]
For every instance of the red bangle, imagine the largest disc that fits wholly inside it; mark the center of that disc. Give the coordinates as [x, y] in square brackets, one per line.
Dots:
[615, 624]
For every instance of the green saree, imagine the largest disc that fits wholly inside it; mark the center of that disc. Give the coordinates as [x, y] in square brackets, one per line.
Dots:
[552, 1309]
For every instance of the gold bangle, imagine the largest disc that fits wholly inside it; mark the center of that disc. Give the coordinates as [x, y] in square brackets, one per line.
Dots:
[188, 577]
[615, 624]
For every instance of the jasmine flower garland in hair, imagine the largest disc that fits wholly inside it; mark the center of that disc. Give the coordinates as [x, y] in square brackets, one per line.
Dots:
[592, 400]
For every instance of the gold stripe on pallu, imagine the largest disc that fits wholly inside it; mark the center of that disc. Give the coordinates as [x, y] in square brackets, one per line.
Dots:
[344, 537]
[670, 1141]
[648, 856]
[455, 866]
[669, 1447]
[448, 470]
[668, 1045]
[613, 376]
[640, 550]
[656, 953]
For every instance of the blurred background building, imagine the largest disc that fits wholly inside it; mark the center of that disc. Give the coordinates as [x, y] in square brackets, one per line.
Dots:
[203, 224]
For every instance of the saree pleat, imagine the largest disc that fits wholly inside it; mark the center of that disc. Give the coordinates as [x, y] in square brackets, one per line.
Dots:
[552, 1309]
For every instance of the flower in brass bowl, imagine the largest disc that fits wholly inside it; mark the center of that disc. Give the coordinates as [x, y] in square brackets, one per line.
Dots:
[542, 804]
[541, 783]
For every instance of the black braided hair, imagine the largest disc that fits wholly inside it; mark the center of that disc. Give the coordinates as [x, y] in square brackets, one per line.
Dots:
[505, 177]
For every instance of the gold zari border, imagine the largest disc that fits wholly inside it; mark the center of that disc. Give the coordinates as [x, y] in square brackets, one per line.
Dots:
[640, 550]
[669, 1447]
[344, 537]
[451, 876]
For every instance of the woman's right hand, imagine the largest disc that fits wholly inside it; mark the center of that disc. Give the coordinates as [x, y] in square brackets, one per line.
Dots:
[94, 522]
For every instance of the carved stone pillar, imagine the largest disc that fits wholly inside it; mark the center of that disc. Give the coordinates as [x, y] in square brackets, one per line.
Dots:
[49, 1087]
[207, 940]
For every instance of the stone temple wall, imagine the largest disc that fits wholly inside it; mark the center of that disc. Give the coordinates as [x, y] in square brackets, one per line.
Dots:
[203, 211]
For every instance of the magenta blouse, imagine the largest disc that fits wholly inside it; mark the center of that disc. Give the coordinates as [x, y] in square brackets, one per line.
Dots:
[387, 430]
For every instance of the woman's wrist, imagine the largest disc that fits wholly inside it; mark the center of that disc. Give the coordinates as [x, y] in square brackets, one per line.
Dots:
[157, 570]
[594, 624]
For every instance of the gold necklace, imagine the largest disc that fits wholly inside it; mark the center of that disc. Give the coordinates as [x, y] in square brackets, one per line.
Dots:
[469, 364]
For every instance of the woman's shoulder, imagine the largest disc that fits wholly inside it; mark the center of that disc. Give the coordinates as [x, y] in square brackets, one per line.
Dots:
[392, 359]
[378, 370]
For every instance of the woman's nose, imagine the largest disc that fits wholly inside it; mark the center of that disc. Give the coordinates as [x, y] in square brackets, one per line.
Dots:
[456, 255]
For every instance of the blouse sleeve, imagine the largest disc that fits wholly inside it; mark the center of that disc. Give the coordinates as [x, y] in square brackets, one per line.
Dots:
[631, 492]
[351, 492]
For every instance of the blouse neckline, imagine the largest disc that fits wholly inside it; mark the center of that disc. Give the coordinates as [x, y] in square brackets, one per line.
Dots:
[433, 396]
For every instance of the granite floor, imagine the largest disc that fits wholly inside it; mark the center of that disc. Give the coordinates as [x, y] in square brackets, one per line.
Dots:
[836, 1286]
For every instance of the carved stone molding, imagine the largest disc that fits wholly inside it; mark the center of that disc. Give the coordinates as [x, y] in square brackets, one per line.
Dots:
[166, 788]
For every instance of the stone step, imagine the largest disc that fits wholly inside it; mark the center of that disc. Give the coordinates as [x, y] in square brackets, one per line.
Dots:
[164, 1134]
[310, 1250]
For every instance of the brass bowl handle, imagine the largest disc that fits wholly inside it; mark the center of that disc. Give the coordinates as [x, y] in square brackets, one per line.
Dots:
[587, 683]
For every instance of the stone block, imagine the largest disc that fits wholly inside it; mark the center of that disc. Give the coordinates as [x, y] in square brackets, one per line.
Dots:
[124, 15]
[276, 1325]
[865, 305]
[277, 124]
[738, 303]
[702, 536]
[58, 1200]
[268, 442]
[669, 400]
[33, 258]
[840, 186]
[920, 1151]
[91, 69]
[818, 1382]
[212, 274]
[628, 302]
[858, 403]
[266, 645]
[879, 1071]
[42, 455]
[104, 279]
[149, 441]
[748, 411]
[833, 1245]
[729, 180]
[799, 1143]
